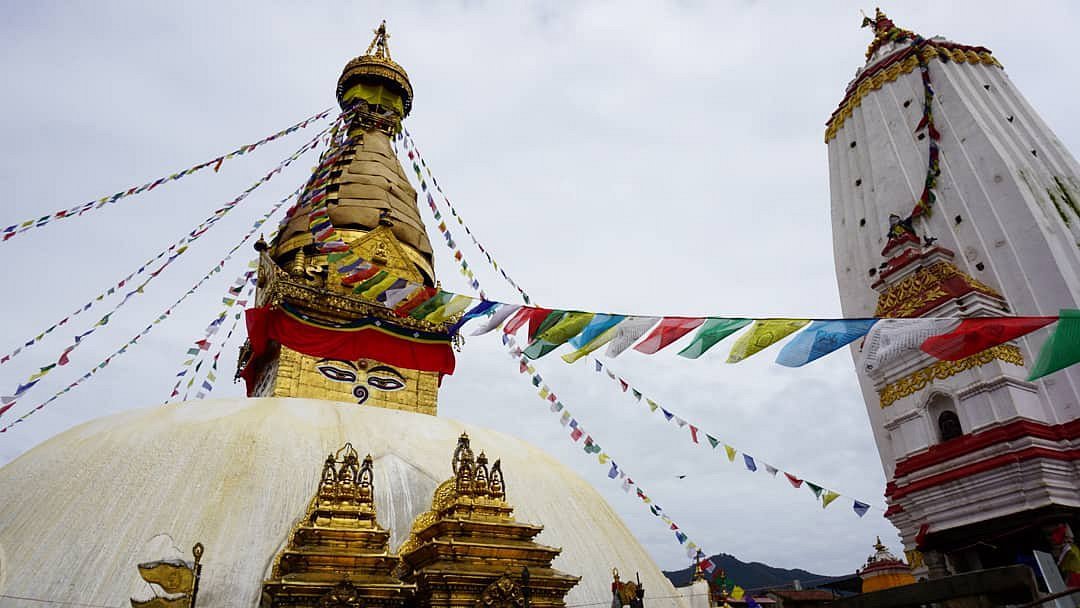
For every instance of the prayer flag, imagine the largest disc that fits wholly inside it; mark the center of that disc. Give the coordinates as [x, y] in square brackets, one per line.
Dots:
[730, 452]
[750, 464]
[713, 441]
[652, 405]
[693, 433]
[816, 489]
[496, 319]
[456, 305]
[558, 333]
[587, 348]
[737, 593]
[828, 498]
[397, 293]
[526, 314]
[565, 418]
[666, 332]
[599, 324]
[976, 335]
[612, 473]
[441, 298]
[680, 537]
[890, 339]
[627, 332]
[794, 481]
[1062, 348]
[820, 339]
[576, 433]
[375, 290]
[416, 299]
[712, 332]
[485, 307]
[763, 333]
[860, 508]
[771, 470]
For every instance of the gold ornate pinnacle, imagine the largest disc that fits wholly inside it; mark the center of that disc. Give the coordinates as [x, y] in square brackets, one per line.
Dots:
[380, 44]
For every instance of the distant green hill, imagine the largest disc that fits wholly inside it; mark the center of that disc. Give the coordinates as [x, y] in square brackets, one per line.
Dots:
[753, 575]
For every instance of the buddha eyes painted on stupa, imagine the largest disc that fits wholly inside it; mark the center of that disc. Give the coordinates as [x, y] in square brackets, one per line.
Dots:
[378, 377]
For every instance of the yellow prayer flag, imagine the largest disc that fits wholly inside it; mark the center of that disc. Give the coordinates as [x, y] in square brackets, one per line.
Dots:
[763, 334]
[544, 392]
[604, 458]
[373, 292]
[456, 304]
[600, 340]
[530, 369]
[730, 452]
[652, 404]
[567, 327]
[737, 593]
[829, 497]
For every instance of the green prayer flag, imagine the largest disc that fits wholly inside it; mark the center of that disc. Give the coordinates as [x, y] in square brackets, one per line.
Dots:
[1062, 348]
[370, 282]
[712, 332]
[567, 325]
[428, 307]
[816, 489]
[550, 321]
[713, 441]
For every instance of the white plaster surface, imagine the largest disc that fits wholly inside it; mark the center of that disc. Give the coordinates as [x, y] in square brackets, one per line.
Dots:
[77, 511]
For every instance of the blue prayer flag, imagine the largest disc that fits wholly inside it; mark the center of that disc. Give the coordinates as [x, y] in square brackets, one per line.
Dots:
[750, 464]
[860, 508]
[822, 338]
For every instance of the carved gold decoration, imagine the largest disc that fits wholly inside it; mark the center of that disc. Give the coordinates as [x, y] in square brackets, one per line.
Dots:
[468, 549]
[177, 578]
[337, 554]
[941, 370]
[914, 558]
[503, 593]
[923, 287]
[867, 84]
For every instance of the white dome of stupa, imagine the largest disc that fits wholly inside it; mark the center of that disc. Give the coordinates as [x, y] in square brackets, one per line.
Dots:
[77, 512]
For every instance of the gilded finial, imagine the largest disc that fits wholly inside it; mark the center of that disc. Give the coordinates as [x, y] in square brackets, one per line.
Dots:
[380, 44]
[261, 245]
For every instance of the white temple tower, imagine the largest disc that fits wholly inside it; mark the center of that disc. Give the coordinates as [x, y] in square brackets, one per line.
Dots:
[980, 462]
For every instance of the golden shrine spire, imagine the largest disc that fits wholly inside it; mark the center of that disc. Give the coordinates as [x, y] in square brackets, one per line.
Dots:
[361, 193]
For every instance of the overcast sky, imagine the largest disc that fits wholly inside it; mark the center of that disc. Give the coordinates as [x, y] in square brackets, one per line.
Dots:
[615, 156]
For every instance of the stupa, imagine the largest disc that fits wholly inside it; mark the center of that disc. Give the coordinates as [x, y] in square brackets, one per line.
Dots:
[952, 198]
[422, 521]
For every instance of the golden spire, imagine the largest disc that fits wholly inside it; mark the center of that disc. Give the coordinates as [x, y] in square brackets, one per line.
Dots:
[375, 78]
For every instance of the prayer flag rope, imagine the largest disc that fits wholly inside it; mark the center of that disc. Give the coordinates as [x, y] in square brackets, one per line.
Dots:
[7, 401]
[235, 296]
[822, 494]
[191, 236]
[414, 156]
[591, 446]
[78, 210]
[164, 315]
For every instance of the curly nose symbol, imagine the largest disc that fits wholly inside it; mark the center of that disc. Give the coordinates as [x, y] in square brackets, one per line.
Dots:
[361, 394]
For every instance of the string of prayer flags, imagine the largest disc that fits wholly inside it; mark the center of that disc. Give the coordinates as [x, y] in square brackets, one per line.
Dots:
[203, 344]
[559, 333]
[78, 210]
[414, 155]
[191, 237]
[591, 447]
[763, 334]
[820, 339]
[163, 316]
[730, 452]
[925, 204]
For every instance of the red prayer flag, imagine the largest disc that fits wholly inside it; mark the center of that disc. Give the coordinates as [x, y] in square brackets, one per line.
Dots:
[794, 481]
[693, 433]
[667, 331]
[979, 334]
[6, 408]
[624, 384]
[217, 165]
[417, 299]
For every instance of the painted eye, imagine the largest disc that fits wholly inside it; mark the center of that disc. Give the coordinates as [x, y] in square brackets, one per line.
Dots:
[386, 384]
[337, 375]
